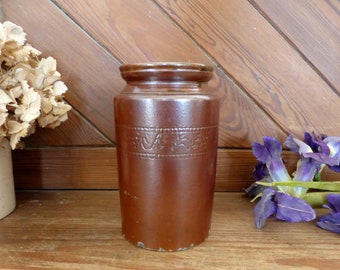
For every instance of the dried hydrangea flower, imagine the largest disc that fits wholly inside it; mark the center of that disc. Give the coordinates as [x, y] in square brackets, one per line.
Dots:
[10, 32]
[31, 91]
[29, 107]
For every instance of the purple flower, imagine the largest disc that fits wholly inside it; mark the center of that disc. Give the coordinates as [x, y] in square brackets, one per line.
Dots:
[270, 154]
[334, 145]
[283, 207]
[323, 150]
[261, 171]
[331, 222]
[281, 194]
[333, 203]
[306, 170]
[265, 208]
[293, 209]
[271, 168]
[260, 174]
[315, 153]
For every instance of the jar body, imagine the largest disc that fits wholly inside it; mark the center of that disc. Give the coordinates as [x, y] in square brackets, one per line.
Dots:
[166, 148]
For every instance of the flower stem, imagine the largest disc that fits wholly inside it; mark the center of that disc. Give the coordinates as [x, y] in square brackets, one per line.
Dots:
[317, 199]
[329, 186]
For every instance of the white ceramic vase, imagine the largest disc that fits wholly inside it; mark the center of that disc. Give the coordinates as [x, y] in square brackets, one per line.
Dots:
[7, 191]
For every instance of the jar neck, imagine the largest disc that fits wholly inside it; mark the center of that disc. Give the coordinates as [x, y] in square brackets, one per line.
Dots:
[168, 88]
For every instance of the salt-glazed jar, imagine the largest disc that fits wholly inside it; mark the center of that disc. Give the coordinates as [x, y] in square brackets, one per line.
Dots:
[167, 130]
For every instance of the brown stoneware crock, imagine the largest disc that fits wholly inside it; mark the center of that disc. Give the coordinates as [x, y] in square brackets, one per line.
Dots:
[167, 129]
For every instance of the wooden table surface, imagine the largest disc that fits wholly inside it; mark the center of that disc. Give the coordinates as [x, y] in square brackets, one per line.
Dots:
[82, 230]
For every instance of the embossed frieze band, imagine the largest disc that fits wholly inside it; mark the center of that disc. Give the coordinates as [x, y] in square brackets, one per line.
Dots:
[173, 142]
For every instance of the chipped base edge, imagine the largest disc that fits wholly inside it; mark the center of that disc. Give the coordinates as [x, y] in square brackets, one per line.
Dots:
[141, 245]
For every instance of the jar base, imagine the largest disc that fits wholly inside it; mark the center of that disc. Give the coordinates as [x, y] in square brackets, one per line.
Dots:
[6, 212]
[141, 245]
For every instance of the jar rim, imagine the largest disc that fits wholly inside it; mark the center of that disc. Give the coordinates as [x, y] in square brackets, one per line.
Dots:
[165, 65]
[166, 72]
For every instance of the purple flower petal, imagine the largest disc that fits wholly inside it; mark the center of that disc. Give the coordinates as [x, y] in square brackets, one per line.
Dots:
[271, 149]
[314, 148]
[261, 152]
[334, 145]
[297, 145]
[265, 207]
[330, 222]
[316, 143]
[254, 189]
[274, 146]
[278, 171]
[293, 209]
[335, 168]
[333, 203]
[270, 154]
[260, 174]
[307, 169]
[260, 171]
[323, 158]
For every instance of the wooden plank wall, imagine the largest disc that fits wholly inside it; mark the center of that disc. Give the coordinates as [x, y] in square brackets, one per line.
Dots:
[277, 71]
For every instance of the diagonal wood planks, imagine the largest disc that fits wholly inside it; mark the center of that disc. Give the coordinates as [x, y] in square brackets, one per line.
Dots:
[138, 31]
[320, 43]
[90, 72]
[270, 70]
[276, 69]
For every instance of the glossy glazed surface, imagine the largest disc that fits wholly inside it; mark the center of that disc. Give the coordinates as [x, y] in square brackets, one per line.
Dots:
[167, 144]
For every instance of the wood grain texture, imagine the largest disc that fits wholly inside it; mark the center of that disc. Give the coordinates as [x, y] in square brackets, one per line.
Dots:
[96, 168]
[76, 131]
[82, 230]
[90, 72]
[134, 31]
[321, 43]
[241, 120]
[66, 168]
[261, 60]
[142, 28]
[276, 66]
